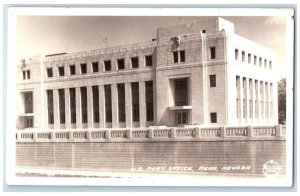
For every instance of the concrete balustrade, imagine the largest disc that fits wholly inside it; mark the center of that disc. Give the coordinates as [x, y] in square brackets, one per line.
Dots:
[152, 134]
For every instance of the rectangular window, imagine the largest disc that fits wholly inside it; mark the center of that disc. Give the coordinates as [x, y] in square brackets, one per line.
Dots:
[237, 81]
[83, 93]
[212, 80]
[175, 57]
[107, 65]
[121, 64]
[238, 108]
[212, 52]
[249, 58]
[260, 61]
[182, 55]
[261, 109]
[95, 91]
[73, 105]
[148, 60]
[213, 117]
[72, 70]
[61, 95]
[61, 71]
[236, 54]
[49, 72]
[50, 106]
[83, 68]
[134, 62]
[244, 109]
[24, 75]
[108, 106]
[256, 109]
[149, 101]
[244, 82]
[271, 109]
[28, 74]
[135, 101]
[271, 91]
[250, 84]
[28, 102]
[265, 63]
[250, 109]
[266, 110]
[121, 101]
[95, 67]
[270, 64]
[255, 60]
[243, 56]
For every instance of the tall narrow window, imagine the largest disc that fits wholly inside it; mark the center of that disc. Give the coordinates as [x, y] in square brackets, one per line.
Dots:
[244, 109]
[95, 67]
[83, 104]
[61, 71]
[238, 108]
[24, 75]
[243, 56]
[135, 101]
[121, 101]
[28, 102]
[212, 81]
[175, 57]
[255, 60]
[250, 109]
[61, 95]
[270, 64]
[73, 105]
[213, 117]
[134, 62]
[121, 64]
[95, 91]
[182, 55]
[265, 63]
[50, 106]
[236, 54]
[83, 68]
[148, 60]
[249, 58]
[72, 69]
[49, 72]
[212, 52]
[149, 100]
[260, 61]
[244, 82]
[28, 74]
[256, 109]
[107, 65]
[108, 107]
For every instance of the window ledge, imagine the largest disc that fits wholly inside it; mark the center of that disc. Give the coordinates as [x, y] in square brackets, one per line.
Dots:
[185, 107]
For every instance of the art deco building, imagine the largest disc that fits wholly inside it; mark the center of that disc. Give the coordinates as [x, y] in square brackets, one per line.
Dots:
[200, 73]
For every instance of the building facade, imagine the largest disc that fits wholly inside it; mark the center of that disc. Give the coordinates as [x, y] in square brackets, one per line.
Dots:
[200, 73]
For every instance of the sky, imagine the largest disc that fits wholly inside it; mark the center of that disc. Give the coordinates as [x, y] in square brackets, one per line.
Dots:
[42, 35]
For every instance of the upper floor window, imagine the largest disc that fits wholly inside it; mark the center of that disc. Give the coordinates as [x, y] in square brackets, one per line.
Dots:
[134, 62]
[83, 68]
[95, 67]
[49, 72]
[243, 56]
[121, 64]
[179, 56]
[148, 60]
[26, 75]
[270, 64]
[236, 54]
[265, 63]
[255, 59]
[260, 61]
[212, 52]
[213, 117]
[61, 71]
[212, 80]
[72, 69]
[249, 58]
[107, 65]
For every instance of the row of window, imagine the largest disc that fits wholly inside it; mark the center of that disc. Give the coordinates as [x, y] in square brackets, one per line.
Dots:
[95, 66]
[26, 74]
[253, 59]
[265, 108]
[179, 56]
[107, 103]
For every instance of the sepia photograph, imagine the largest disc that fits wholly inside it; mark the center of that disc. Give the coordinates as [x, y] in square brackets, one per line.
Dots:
[152, 99]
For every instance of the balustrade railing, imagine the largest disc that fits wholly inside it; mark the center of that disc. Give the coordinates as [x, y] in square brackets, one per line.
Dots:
[152, 134]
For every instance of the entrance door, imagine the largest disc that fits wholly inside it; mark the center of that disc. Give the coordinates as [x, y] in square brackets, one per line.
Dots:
[181, 117]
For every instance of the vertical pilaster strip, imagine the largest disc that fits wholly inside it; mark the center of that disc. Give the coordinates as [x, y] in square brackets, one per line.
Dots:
[90, 106]
[241, 99]
[128, 106]
[114, 102]
[142, 104]
[67, 109]
[101, 107]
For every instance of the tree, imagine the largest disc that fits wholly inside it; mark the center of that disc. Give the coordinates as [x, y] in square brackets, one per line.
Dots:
[282, 101]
